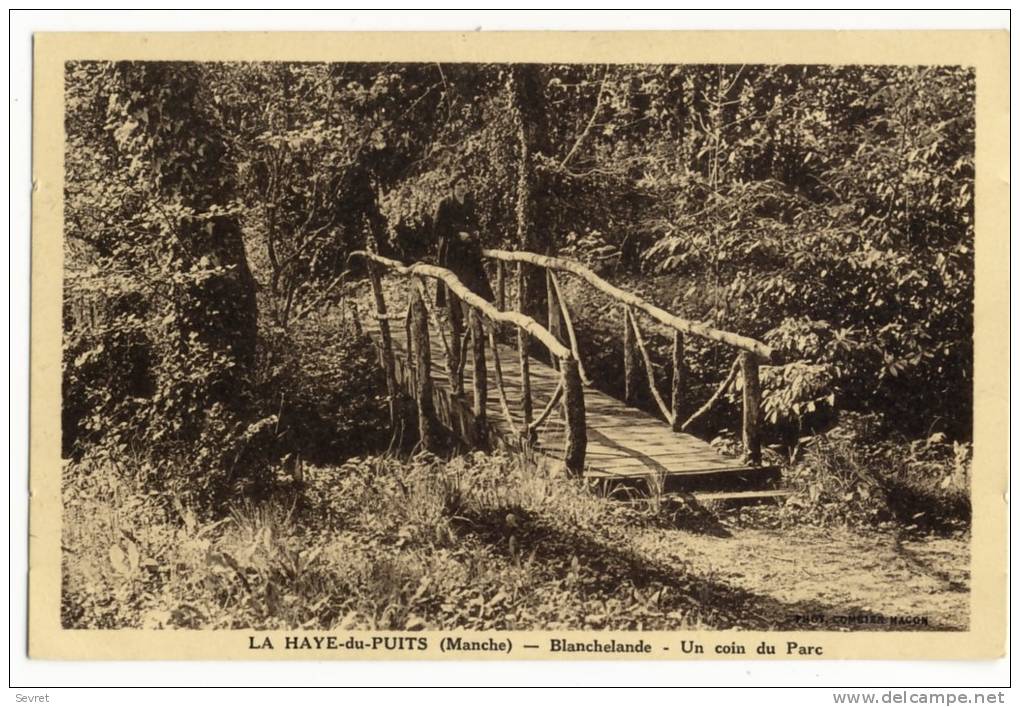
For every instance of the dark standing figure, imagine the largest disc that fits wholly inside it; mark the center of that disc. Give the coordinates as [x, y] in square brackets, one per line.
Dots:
[455, 228]
[460, 249]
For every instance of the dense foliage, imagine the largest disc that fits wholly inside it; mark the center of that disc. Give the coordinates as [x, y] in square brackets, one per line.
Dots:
[210, 210]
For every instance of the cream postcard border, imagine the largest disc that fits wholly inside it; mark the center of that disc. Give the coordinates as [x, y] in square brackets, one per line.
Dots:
[987, 51]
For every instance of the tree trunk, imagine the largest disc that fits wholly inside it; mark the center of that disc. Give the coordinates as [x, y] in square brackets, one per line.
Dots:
[188, 164]
[385, 338]
[527, 116]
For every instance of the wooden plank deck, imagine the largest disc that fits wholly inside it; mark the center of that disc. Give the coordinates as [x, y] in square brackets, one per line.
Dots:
[623, 443]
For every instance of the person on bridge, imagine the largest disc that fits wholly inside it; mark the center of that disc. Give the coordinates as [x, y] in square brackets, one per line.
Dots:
[455, 230]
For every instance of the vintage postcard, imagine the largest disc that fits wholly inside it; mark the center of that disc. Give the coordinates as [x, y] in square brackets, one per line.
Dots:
[395, 346]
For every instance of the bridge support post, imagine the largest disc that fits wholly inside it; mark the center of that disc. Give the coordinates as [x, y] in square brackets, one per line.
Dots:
[500, 285]
[388, 361]
[574, 416]
[752, 404]
[630, 359]
[679, 381]
[423, 372]
[554, 316]
[522, 352]
[454, 367]
[479, 376]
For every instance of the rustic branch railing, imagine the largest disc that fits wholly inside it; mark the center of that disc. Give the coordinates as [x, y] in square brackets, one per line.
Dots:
[570, 387]
[752, 353]
[560, 339]
[765, 352]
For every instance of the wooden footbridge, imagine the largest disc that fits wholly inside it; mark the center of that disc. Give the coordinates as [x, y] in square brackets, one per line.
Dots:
[550, 407]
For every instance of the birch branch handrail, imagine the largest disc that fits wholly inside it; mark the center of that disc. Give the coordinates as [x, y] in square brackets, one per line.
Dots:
[745, 343]
[521, 321]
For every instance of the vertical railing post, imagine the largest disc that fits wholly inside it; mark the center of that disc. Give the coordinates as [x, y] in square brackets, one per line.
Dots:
[479, 375]
[409, 371]
[566, 322]
[454, 314]
[679, 380]
[522, 351]
[388, 360]
[554, 316]
[574, 416]
[752, 404]
[500, 285]
[423, 369]
[630, 359]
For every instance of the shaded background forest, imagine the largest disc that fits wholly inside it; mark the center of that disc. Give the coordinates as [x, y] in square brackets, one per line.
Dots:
[210, 209]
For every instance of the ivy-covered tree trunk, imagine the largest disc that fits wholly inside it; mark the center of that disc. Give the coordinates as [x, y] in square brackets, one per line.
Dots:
[527, 117]
[167, 131]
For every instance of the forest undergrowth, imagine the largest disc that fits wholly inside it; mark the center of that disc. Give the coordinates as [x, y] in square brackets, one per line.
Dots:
[476, 542]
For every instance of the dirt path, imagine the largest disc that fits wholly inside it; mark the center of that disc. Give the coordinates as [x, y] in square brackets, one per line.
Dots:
[825, 579]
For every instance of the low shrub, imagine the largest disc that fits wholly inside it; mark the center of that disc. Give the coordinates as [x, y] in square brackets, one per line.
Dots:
[146, 407]
[843, 477]
[324, 383]
[155, 410]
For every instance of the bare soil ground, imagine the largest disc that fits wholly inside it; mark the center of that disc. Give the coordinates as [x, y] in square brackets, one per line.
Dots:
[831, 579]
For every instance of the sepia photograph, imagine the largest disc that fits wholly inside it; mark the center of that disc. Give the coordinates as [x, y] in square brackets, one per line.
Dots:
[517, 346]
[533, 358]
